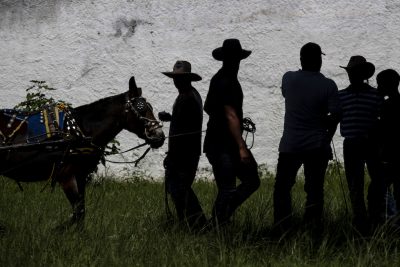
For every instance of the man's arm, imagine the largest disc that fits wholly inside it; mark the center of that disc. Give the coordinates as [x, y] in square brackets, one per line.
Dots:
[333, 121]
[334, 111]
[235, 129]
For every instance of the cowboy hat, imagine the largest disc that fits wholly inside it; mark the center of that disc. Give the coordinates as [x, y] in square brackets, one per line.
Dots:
[231, 48]
[183, 69]
[361, 65]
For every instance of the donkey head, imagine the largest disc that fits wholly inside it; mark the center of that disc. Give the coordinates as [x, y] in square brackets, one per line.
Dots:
[140, 117]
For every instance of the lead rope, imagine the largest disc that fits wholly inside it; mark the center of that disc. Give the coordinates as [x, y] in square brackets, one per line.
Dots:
[340, 177]
[49, 180]
[136, 162]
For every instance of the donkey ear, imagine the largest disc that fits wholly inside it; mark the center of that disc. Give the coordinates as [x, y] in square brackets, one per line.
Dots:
[134, 91]
[139, 91]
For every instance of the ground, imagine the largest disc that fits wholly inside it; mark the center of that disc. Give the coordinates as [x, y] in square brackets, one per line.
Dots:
[126, 225]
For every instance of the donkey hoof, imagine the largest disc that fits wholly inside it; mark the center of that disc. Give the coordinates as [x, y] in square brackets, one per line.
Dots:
[71, 224]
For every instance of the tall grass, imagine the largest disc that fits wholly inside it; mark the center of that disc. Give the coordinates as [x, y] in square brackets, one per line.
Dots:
[126, 225]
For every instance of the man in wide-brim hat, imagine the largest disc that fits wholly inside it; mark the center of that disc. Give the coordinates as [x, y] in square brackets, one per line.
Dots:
[183, 70]
[231, 49]
[224, 146]
[359, 68]
[184, 147]
[360, 105]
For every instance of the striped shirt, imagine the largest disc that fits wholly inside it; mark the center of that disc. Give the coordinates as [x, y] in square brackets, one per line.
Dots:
[360, 110]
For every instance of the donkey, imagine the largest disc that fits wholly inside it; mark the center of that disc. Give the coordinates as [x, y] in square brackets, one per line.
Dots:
[70, 163]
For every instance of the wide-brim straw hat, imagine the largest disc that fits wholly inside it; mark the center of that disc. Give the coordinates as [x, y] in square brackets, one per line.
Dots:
[183, 69]
[231, 49]
[360, 65]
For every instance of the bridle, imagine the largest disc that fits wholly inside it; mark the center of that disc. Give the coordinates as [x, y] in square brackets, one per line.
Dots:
[139, 106]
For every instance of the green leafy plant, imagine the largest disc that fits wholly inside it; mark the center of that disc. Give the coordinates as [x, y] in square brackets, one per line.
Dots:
[36, 97]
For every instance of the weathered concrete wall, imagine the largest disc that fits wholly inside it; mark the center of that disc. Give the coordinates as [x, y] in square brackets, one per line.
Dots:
[89, 49]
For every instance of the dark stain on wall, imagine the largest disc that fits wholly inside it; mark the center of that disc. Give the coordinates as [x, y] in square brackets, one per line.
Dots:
[21, 10]
[126, 28]
[15, 5]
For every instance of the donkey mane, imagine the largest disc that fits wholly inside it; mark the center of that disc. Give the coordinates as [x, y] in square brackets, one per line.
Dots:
[101, 119]
[98, 106]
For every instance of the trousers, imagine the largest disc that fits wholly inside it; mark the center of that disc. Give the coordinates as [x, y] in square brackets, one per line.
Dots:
[179, 176]
[357, 153]
[315, 163]
[226, 168]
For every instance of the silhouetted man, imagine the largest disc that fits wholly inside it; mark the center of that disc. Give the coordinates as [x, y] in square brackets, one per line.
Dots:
[224, 146]
[360, 113]
[389, 131]
[311, 117]
[184, 147]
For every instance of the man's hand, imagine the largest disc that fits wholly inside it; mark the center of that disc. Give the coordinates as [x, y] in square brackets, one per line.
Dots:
[245, 156]
[164, 116]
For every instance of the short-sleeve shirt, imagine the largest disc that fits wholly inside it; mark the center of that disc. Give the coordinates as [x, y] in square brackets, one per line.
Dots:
[186, 125]
[309, 98]
[360, 111]
[224, 90]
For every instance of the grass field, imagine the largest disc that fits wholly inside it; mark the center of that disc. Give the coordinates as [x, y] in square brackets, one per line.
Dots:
[126, 225]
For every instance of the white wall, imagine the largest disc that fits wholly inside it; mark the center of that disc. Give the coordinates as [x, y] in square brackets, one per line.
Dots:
[89, 49]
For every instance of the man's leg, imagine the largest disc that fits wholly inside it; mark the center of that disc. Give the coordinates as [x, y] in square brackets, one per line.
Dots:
[224, 168]
[288, 165]
[315, 165]
[391, 175]
[176, 191]
[377, 186]
[354, 169]
[250, 182]
[179, 180]
[193, 212]
[395, 174]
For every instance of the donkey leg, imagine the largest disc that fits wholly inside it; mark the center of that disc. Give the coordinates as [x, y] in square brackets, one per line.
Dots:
[73, 192]
[79, 210]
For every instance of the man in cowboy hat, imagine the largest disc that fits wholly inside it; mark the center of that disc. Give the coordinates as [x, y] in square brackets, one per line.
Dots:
[311, 116]
[184, 147]
[360, 114]
[389, 134]
[224, 146]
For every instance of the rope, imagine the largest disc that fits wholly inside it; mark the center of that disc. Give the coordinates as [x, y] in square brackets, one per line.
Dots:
[249, 127]
[125, 151]
[183, 134]
[16, 129]
[3, 136]
[340, 178]
[136, 162]
[49, 180]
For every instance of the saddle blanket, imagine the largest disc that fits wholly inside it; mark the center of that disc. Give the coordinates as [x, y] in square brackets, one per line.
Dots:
[41, 125]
